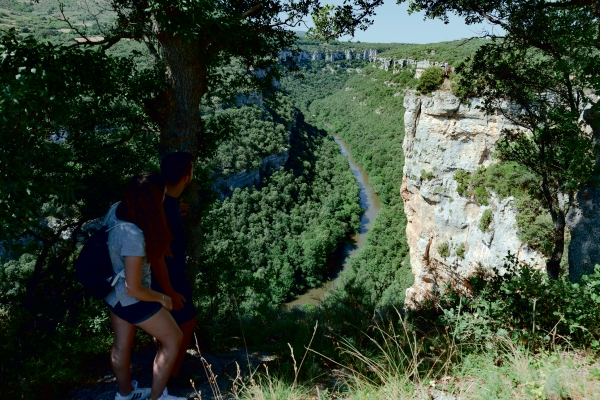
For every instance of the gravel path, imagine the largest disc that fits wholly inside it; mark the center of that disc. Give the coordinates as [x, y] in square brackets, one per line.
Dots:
[222, 364]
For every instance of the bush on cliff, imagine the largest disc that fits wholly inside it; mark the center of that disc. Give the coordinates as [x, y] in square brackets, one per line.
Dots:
[521, 303]
[431, 79]
[507, 179]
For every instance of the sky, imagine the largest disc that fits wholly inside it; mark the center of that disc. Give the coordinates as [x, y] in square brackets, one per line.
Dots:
[393, 24]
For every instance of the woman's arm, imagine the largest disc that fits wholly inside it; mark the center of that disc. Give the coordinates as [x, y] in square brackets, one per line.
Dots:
[133, 283]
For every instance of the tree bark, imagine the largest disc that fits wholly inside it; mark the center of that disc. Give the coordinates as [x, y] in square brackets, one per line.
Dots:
[176, 110]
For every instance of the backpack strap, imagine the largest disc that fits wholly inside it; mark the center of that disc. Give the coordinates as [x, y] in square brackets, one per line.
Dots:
[115, 225]
[116, 278]
[110, 211]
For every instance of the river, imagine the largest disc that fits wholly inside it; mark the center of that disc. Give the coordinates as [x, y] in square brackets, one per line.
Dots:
[369, 201]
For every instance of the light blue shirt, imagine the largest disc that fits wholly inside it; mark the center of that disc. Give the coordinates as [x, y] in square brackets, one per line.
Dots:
[124, 239]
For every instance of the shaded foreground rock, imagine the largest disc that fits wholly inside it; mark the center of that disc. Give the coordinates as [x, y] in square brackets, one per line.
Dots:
[583, 221]
[583, 218]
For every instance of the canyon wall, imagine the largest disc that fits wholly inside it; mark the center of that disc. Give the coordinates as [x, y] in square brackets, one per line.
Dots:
[348, 54]
[372, 55]
[446, 242]
[244, 178]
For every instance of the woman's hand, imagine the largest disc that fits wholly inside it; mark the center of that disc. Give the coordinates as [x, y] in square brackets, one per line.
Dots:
[134, 287]
[183, 208]
[166, 302]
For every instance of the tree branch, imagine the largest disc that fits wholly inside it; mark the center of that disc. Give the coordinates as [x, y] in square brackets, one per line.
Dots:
[106, 43]
[251, 11]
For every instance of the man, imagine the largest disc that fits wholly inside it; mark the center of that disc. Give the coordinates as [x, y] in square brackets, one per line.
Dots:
[170, 277]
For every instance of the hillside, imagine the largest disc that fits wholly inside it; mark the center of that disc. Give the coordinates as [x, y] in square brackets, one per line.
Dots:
[452, 52]
[45, 20]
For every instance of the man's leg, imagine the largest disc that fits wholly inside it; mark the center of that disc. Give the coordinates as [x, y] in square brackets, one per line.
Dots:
[187, 328]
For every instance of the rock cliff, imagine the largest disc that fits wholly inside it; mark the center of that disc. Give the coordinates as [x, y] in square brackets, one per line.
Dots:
[444, 231]
[245, 178]
[348, 54]
[372, 55]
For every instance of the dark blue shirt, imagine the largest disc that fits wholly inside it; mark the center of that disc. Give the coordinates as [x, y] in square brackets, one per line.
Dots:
[175, 264]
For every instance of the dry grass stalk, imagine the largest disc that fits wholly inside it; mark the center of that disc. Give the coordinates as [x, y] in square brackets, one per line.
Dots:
[212, 378]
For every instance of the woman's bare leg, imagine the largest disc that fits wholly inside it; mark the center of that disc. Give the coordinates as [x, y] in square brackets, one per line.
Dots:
[164, 328]
[120, 356]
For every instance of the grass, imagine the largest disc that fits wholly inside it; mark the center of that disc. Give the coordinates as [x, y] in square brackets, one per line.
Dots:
[270, 388]
[399, 363]
[558, 375]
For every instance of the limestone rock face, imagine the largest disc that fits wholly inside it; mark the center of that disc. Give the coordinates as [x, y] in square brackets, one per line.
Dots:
[445, 240]
[349, 54]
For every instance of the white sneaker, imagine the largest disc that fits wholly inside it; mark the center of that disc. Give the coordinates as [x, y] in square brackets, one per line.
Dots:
[167, 396]
[137, 394]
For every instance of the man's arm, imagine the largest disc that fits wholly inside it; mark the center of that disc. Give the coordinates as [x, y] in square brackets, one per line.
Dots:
[161, 273]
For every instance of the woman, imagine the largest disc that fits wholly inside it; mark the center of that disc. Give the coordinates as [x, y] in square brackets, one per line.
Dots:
[138, 236]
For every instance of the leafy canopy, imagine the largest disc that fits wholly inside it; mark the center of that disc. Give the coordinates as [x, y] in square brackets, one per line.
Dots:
[71, 128]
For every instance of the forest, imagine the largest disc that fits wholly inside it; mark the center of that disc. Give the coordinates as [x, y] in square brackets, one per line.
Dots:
[274, 202]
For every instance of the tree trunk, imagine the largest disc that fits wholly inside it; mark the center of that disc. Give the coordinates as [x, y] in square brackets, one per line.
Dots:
[176, 111]
[558, 237]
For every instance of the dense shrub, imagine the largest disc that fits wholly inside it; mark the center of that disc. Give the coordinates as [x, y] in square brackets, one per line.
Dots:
[460, 250]
[72, 133]
[520, 302]
[430, 80]
[535, 227]
[463, 178]
[486, 219]
[482, 195]
[444, 249]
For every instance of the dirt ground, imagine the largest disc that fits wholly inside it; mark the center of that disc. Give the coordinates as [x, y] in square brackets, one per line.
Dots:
[223, 365]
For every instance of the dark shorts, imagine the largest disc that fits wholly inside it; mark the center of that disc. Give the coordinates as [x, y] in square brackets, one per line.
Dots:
[180, 285]
[136, 313]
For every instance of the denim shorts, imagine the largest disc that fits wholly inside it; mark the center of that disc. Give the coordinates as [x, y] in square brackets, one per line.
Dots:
[136, 313]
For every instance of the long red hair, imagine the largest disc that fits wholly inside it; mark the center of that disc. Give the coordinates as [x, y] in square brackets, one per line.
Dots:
[143, 206]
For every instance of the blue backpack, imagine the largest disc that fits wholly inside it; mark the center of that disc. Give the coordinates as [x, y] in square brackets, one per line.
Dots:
[93, 267]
